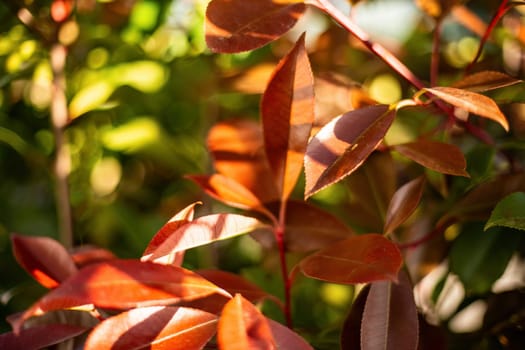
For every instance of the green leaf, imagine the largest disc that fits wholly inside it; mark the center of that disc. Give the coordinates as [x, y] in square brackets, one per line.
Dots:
[509, 212]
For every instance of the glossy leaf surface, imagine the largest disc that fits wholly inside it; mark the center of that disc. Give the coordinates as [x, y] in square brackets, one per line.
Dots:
[237, 149]
[342, 145]
[390, 320]
[201, 231]
[243, 327]
[39, 337]
[122, 284]
[509, 212]
[44, 258]
[158, 327]
[239, 25]
[472, 102]
[359, 259]
[485, 81]
[403, 204]
[438, 156]
[287, 109]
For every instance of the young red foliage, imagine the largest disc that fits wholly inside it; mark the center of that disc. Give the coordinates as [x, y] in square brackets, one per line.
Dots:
[403, 204]
[39, 337]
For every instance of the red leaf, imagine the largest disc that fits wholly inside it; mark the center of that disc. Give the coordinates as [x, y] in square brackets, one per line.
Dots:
[178, 220]
[44, 258]
[39, 337]
[358, 259]
[239, 25]
[351, 331]
[438, 156]
[285, 338]
[390, 319]
[89, 254]
[307, 228]
[174, 328]
[343, 145]
[238, 151]
[485, 81]
[122, 284]
[202, 231]
[472, 102]
[243, 327]
[230, 192]
[287, 110]
[403, 204]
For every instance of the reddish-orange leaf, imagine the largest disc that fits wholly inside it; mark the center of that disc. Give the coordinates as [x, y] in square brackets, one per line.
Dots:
[485, 81]
[39, 337]
[122, 284]
[89, 254]
[472, 102]
[287, 109]
[155, 328]
[240, 25]
[237, 149]
[201, 231]
[344, 144]
[390, 317]
[178, 220]
[44, 258]
[229, 191]
[285, 338]
[438, 156]
[358, 259]
[307, 228]
[243, 327]
[403, 204]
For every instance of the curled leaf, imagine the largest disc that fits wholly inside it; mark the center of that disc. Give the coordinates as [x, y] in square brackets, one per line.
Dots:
[485, 81]
[403, 204]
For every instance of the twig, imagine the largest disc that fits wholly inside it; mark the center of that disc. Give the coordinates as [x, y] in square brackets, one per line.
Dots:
[279, 232]
[434, 62]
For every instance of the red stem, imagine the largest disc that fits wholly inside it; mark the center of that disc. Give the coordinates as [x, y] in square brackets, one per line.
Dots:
[279, 232]
[434, 63]
[429, 236]
[500, 12]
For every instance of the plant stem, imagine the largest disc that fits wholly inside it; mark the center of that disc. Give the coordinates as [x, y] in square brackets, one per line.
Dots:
[59, 119]
[279, 232]
[434, 63]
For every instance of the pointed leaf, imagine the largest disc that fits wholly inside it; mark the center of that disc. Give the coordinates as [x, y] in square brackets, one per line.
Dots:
[403, 204]
[201, 231]
[90, 254]
[38, 337]
[485, 81]
[237, 149]
[229, 191]
[472, 102]
[351, 332]
[285, 338]
[359, 259]
[390, 319]
[122, 284]
[44, 258]
[509, 212]
[243, 327]
[178, 220]
[239, 25]
[438, 156]
[287, 110]
[158, 327]
[343, 145]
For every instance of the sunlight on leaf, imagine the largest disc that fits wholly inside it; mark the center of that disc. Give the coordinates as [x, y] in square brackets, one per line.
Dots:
[90, 98]
[485, 81]
[132, 136]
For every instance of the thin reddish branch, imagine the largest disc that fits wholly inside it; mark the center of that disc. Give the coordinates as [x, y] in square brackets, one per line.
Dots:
[438, 230]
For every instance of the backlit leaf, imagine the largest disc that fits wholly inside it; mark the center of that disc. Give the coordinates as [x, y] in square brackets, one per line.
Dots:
[39, 337]
[285, 338]
[201, 231]
[344, 144]
[44, 258]
[122, 284]
[178, 220]
[438, 156]
[89, 254]
[229, 191]
[403, 204]
[243, 327]
[358, 259]
[390, 320]
[351, 331]
[485, 81]
[472, 102]
[158, 327]
[287, 109]
[239, 25]
[509, 212]
[237, 149]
